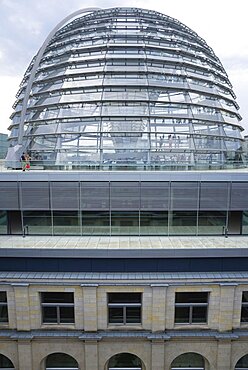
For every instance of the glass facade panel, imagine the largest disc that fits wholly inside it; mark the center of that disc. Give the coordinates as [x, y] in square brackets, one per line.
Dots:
[3, 222]
[95, 223]
[125, 223]
[211, 222]
[66, 222]
[183, 223]
[37, 222]
[245, 223]
[154, 223]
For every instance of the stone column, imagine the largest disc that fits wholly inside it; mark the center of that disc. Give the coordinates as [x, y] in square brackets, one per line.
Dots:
[90, 307]
[25, 354]
[91, 355]
[22, 306]
[158, 354]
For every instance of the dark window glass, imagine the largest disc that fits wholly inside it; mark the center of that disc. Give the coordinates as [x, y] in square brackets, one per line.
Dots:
[60, 361]
[57, 297]
[242, 363]
[182, 315]
[50, 314]
[188, 360]
[191, 307]
[133, 315]
[3, 308]
[199, 314]
[245, 297]
[57, 308]
[124, 360]
[124, 297]
[116, 315]
[3, 297]
[188, 297]
[5, 363]
[244, 308]
[124, 308]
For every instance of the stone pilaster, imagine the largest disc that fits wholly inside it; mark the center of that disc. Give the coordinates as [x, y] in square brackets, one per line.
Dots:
[91, 355]
[226, 307]
[158, 307]
[224, 355]
[157, 355]
[90, 308]
[25, 355]
[21, 292]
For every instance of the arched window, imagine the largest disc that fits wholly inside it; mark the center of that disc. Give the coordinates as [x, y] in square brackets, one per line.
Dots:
[188, 361]
[5, 363]
[242, 364]
[125, 361]
[61, 361]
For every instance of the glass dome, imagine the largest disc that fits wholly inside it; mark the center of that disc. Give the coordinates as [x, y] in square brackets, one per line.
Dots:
[127, 88]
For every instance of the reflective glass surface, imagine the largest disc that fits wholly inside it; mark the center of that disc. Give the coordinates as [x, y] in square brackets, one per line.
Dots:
[155, 100]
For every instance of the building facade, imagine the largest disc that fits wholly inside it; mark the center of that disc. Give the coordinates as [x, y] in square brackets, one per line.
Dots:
[143, 320]
[129, 265]
[124, 203]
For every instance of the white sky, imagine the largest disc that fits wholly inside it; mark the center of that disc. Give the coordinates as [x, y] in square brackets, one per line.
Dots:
[26, 23]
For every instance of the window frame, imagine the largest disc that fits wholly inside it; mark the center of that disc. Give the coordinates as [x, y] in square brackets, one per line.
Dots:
[4, 304]
[124, 307]
[58, 307]
[191, 307]
[243, 305]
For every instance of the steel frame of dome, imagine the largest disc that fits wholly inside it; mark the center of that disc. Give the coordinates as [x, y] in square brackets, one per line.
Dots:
[127, 87]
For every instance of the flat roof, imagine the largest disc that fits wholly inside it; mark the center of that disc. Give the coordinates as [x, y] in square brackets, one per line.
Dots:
[71, 175]
[140, 245]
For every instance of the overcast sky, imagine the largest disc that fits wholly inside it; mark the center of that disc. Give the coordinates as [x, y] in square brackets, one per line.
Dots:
[24, 25]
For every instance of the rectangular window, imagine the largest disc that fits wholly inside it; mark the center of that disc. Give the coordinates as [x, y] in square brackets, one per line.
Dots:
[191, 308]
[57, 308]
[124, 308]
[244, 309]
[3, 308]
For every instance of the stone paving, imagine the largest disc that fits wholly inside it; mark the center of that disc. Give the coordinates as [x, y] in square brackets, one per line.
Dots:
[123, 242]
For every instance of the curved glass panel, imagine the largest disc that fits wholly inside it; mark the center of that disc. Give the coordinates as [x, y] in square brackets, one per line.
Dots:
[165, 102]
